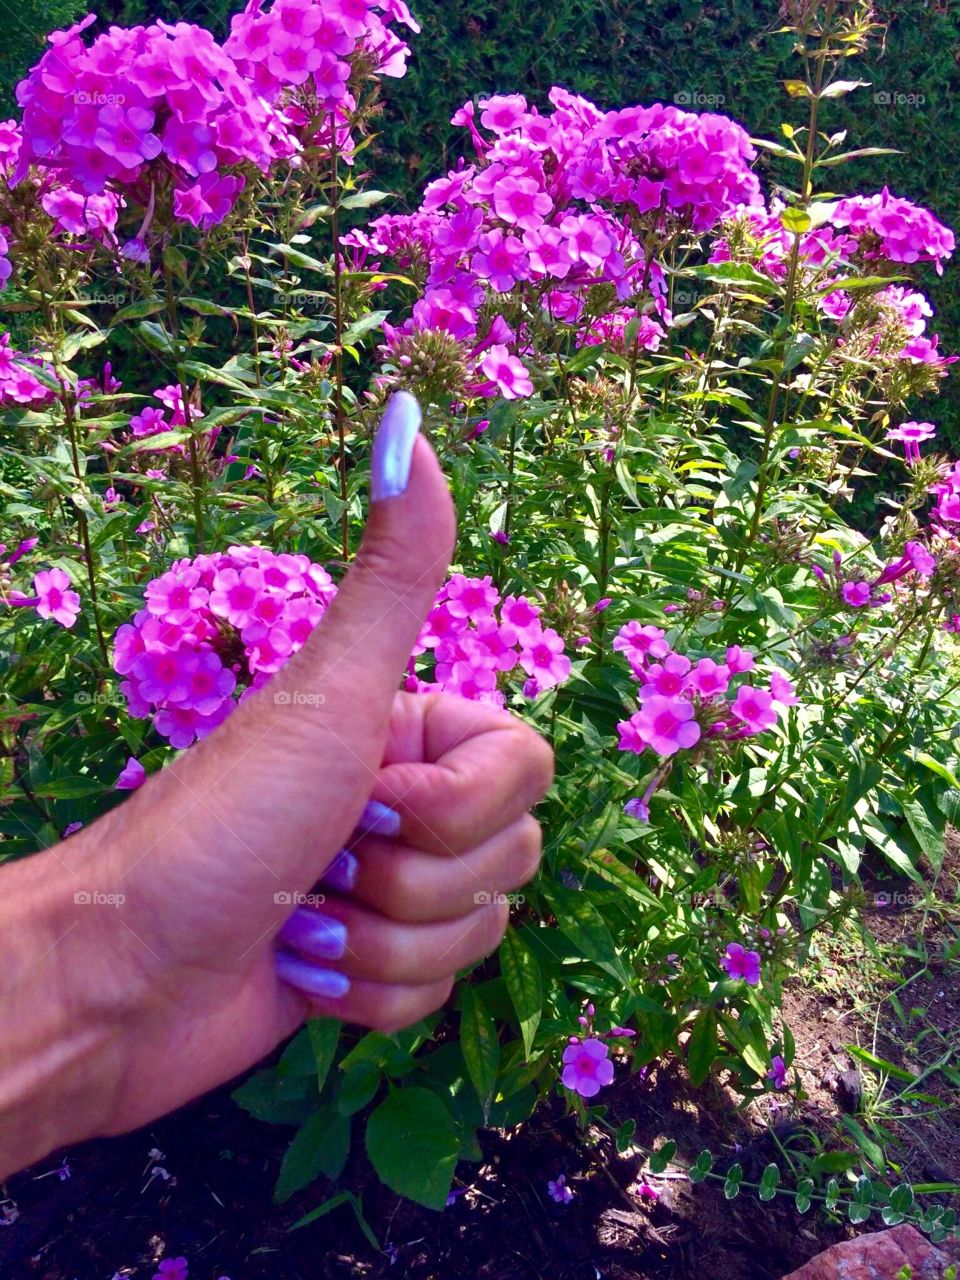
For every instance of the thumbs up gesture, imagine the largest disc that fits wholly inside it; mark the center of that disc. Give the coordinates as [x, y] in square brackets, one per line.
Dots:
[343, 853]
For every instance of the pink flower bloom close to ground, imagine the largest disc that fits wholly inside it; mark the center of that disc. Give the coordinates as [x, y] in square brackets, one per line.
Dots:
[777, 1075]
[55, 600]
[740, 963]
[587, 1067]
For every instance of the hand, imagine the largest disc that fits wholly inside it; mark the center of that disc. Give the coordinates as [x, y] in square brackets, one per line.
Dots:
[152, 1000]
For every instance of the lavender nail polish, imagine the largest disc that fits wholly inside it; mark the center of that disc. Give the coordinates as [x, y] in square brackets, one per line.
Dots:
[393, 447]
[378, 820]
[342, 872]
[310, 978]
[314, 934]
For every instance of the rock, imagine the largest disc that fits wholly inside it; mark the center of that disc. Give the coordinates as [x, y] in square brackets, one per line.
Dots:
[850, 1090]
[880, 1256]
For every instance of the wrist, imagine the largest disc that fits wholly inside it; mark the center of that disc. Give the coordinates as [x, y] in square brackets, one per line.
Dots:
[67, 1000]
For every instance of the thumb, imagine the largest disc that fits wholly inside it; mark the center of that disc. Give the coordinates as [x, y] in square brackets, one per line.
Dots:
[359, 651]
[292, 768]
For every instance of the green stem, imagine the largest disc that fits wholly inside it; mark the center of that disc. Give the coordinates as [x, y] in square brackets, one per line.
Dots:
[338, 324]
[196, 474]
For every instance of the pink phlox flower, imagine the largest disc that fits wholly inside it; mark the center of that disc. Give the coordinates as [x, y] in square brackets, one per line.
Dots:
[55, 599]
[665, 725]
[587, 1067]
[755, 707]
[742, 964]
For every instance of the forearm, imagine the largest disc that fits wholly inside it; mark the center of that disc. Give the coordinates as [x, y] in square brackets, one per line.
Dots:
[61, 1051]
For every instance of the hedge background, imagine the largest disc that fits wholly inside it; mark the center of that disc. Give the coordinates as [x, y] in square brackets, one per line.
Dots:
[624, 51]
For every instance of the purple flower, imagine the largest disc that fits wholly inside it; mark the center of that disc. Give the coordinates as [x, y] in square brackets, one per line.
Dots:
[777, 1074]
[131, 776]
[742, 964]
[172, 1269]
[558, 1190]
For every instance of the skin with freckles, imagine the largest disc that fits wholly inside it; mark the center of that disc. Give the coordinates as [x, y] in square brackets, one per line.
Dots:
[114, 1014]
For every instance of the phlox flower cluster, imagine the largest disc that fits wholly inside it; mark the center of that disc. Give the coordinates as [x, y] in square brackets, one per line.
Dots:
[18, 385]
[143, 102]
[903, 231]
[74, 212]
[309, 44]
[856, 233]
[555, 204]
[212, 629]
[760, 233]
[858, 592]
[475, 636]
[684, 704]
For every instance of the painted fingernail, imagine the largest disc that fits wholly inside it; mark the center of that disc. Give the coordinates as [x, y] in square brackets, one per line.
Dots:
[378, 820]
[314, 934]
[310, 978]
[393, 447]
[342, 872]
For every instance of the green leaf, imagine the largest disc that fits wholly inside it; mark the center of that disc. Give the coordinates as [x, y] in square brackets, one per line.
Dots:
[796, 220]
[321, 1145]
[624, 1136]
[926, 835]
[587, 930]
[804, 1195]
[156, 337]
[840, 87]
[412, 1143]
[480, 1046]
[324, 1038]
[832, 1195]
[879, 1064]
[662, 1156]
[731, 1187]
[364, 199]
[702, 1048]
[357, 1087]
[204, 307]
[521, 973]
[700, 1167]
[138, 311]
[366, 324]
[769, 1181]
